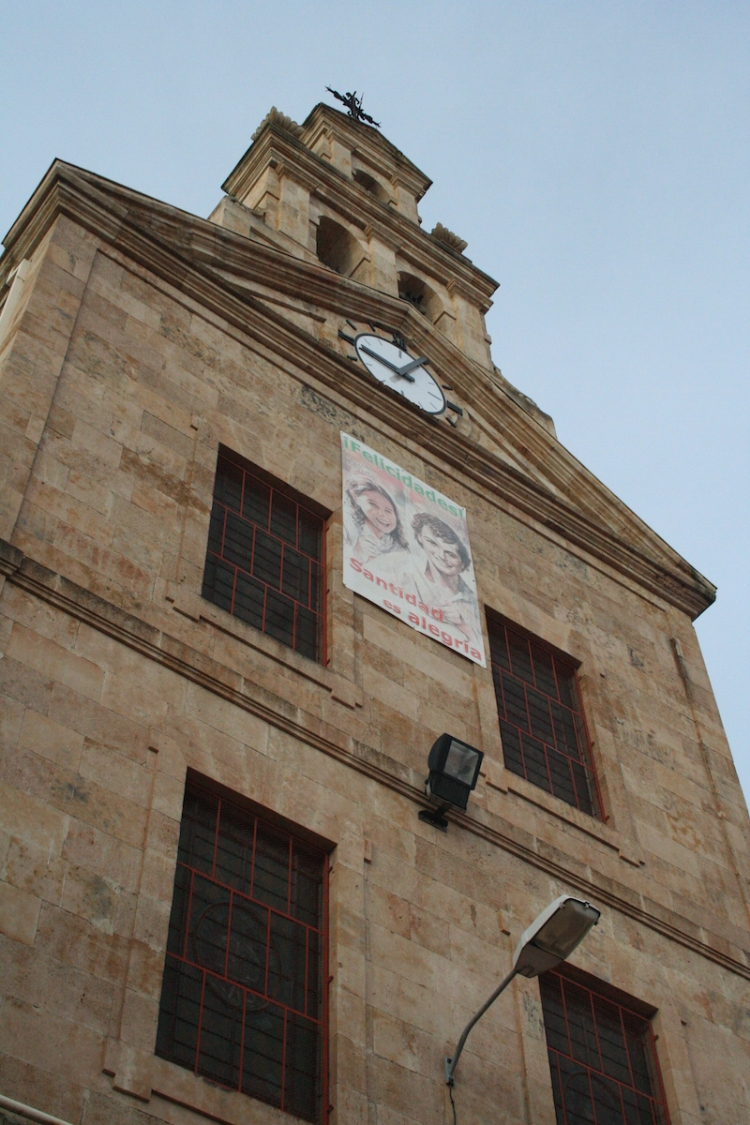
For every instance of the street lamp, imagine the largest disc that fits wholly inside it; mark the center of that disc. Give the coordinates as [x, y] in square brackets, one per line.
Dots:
[454, 770]
[550, 939]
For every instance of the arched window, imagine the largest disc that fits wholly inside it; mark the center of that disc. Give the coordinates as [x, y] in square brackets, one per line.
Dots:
[336, 248]
[371, 185]
[417, 293]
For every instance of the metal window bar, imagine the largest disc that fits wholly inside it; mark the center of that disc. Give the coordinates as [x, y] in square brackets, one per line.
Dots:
[633, 1101]
[237, 1009]
[277, 587]
[554, 756]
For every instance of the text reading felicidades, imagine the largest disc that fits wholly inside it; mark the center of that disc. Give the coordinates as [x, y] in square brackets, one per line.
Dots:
[406, 479]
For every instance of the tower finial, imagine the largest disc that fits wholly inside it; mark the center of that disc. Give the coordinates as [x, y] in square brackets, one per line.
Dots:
[354, 106]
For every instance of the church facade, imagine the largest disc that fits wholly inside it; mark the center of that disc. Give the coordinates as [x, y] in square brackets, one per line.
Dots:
[272, 523]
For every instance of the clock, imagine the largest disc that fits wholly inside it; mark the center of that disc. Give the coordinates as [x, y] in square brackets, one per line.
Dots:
[389, 362]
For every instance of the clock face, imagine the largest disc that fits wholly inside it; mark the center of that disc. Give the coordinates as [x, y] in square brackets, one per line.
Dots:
[393, 365]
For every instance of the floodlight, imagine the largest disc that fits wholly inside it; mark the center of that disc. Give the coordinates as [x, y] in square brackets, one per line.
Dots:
[454, 770]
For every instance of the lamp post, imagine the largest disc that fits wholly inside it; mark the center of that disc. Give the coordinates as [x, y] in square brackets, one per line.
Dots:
[550, 939]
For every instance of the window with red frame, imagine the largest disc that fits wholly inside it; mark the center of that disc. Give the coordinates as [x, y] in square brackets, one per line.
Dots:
[541, 720]
[602, 1056]
[265, 555]
[243, 998]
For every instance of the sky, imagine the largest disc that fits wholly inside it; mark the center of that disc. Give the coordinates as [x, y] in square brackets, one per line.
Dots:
[595, 156]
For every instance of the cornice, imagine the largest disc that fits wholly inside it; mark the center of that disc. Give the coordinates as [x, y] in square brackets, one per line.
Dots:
[366, 142]
[333, 188]
[718, 944]
[651, 564]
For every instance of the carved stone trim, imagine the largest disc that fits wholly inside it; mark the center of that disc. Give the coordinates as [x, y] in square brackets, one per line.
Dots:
[229, 685]
[448, 238]
[276, 117]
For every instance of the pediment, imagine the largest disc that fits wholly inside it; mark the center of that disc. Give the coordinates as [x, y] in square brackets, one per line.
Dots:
[295, 307]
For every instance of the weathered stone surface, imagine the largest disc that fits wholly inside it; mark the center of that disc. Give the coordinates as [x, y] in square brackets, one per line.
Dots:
[124, 371]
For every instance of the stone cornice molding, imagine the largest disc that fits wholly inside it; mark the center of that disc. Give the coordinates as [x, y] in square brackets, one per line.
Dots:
[586, 524]
[724, 944]
[360, 208]
[368, 144]
[276, 117]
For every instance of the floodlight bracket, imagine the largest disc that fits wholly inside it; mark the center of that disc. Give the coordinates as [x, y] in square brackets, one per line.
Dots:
[435, 818]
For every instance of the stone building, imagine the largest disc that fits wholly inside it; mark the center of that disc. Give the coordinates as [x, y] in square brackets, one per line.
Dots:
[218, 900]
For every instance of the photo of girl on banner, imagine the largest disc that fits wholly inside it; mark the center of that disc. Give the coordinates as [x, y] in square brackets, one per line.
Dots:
[406, 548]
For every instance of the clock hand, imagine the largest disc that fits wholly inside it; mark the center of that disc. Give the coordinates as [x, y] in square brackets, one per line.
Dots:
[386, 363]
[415, 363]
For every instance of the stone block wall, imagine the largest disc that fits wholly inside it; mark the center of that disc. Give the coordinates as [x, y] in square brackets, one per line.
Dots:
[117, 678]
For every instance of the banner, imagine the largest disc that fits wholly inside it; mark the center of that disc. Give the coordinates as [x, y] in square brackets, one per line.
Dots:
[406, 548]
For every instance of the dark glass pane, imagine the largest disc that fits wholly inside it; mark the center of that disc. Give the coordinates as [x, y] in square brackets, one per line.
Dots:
[565, 731]
[216, 529]
[520, 657]
[313, 974]
[264, 1051]
[557, 1093]
[221, 1032]
[512, 749]
[305, 886]
[178, 915]
[515, 702]
[267, 559]
[611, 1040]
[177, 1033]
[581, 1025]
[561, 777]
[583, 788]
[284, 518]
[306, 638]
[543, 671]
[578, 1106]
[541, 723]
[255, 507]
[316, 587]
[300, 1079]
[636, 1032]
[238, 541]
[218, 583]
[270, 884]
[279, 621]
[646, 1112]
[228, 487]
[286, 969]
[498, 686]
[248, 940]
[296, 576]
[555, 1026]
[209, 919]
[248, 600]
[535, 762]
[499, 648]
[630, 1105]
[607, 1103]
[566, 684]
[196, 847]
[234, 848]
[310, 533]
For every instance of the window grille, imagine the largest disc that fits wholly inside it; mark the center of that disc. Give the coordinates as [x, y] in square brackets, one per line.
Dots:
[243, 1000]
[602, 1057]
[541, 721]
[264, 562]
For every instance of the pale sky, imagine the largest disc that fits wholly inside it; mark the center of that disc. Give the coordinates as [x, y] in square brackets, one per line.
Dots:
[596, 156]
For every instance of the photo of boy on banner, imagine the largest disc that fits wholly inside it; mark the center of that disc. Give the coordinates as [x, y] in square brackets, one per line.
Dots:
[406, 548]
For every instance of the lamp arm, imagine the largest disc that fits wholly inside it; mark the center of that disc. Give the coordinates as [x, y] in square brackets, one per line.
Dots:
[452, 1060]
